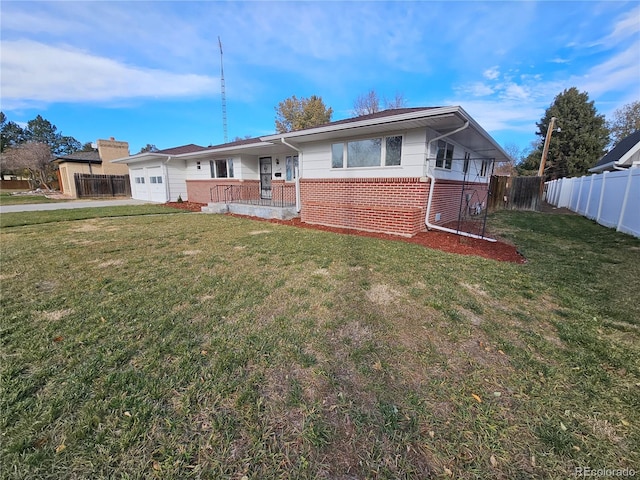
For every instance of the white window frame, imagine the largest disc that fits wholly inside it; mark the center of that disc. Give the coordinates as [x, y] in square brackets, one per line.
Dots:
[446, 162]
[383, 152]
[291, 166]
[213, 166]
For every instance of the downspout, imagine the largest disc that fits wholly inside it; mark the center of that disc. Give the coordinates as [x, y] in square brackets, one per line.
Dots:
[297, 173]
[167, 192]
[432, 184]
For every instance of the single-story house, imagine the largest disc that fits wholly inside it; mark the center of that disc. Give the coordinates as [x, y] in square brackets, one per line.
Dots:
[397, 171]
[626, 154]
[94, 162]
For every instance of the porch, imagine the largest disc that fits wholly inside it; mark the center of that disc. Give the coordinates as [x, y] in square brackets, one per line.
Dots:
[277, 201]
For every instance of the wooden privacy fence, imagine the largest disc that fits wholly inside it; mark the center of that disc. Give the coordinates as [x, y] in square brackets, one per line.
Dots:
[88, 185]
[515, 193]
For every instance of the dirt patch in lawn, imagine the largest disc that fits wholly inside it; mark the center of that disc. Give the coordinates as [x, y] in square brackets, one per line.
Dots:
[189, 206]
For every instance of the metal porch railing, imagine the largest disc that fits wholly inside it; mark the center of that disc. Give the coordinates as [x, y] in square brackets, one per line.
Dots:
[283, 195]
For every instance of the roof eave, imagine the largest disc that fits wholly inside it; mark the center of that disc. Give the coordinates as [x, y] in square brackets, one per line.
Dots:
[431, 112]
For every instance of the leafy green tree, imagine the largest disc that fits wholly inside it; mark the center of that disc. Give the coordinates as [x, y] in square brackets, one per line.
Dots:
[582, 138]
[625, 121]
[298, 113]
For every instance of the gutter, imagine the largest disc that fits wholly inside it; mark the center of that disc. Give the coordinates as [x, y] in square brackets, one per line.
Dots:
[432, 184]
[297, 181]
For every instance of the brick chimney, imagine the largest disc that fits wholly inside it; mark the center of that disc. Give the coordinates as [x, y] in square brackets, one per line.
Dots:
[113, 149]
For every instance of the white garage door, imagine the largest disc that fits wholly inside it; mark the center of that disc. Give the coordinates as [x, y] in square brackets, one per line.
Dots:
[138, 184]
[157, 190]
[148, 183]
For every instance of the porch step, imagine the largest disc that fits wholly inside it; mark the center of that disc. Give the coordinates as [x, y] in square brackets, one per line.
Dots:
[260, 211]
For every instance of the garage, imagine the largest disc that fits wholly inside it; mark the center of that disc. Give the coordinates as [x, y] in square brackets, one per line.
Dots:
[148, 183]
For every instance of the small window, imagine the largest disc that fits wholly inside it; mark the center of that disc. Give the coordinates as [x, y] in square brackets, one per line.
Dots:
[444, 157]
[152, 179]
[393, 151]
[221, 168]
[159, 179]
[291, 163]
[484, 168]
[465, 166]
[337, 155]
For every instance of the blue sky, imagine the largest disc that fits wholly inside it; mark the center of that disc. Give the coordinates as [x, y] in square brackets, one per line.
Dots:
[149, 72]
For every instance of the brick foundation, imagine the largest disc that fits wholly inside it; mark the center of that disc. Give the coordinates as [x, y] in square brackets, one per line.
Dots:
[387, 205]
[200, 191]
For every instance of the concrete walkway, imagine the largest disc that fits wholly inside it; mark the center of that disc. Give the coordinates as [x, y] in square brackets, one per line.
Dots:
[33, 207]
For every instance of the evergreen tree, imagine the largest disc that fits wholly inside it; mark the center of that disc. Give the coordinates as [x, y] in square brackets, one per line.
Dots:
[582, 138]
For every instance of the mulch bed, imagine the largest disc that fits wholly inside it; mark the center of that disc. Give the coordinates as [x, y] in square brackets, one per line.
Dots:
[447, 242]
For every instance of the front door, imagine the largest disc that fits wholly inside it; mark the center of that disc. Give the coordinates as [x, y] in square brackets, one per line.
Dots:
[265, 177]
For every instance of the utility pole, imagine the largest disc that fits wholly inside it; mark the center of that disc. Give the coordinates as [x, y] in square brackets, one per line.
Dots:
[545, 150]
[224, 95]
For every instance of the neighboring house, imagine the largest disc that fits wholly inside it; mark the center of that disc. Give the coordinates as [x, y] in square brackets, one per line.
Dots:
[626, 154]
[160, 176]
[96, 162]
[395, 171]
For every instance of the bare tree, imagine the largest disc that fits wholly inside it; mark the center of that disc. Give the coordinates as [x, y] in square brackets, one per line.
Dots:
[396, 102]
[32, 159]
[369, 103]
[366, 104]
[625, 121]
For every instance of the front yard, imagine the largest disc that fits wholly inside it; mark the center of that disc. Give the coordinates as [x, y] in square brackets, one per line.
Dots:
[207, 346]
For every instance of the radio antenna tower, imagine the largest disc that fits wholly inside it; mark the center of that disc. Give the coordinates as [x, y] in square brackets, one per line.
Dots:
[224, 95]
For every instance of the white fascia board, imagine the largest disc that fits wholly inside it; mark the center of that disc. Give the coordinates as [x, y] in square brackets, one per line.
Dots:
[632, 151]
[215, 151]
[476, 126]
[141, 157]
[602, 168]
[432, 112]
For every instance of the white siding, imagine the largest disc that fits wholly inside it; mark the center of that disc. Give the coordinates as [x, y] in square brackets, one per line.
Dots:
[176, 175]
[316, 159]
[245, 167]
[457, 168]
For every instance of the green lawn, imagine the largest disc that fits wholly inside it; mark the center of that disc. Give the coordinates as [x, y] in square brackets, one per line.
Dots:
[207, 346]
[6, 198]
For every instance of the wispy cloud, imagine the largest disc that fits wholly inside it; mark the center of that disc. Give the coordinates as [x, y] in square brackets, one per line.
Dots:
[491, 73]
[34, 72]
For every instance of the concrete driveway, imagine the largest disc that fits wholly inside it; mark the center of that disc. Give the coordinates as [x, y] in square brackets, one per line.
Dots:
[33, 207]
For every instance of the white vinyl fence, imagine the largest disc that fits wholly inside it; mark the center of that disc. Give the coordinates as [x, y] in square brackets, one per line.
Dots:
[611, 198]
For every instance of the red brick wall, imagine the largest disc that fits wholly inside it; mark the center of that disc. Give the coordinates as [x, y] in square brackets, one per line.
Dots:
[200, 191]
[283, 192]
[446, 199]
[389, 205]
